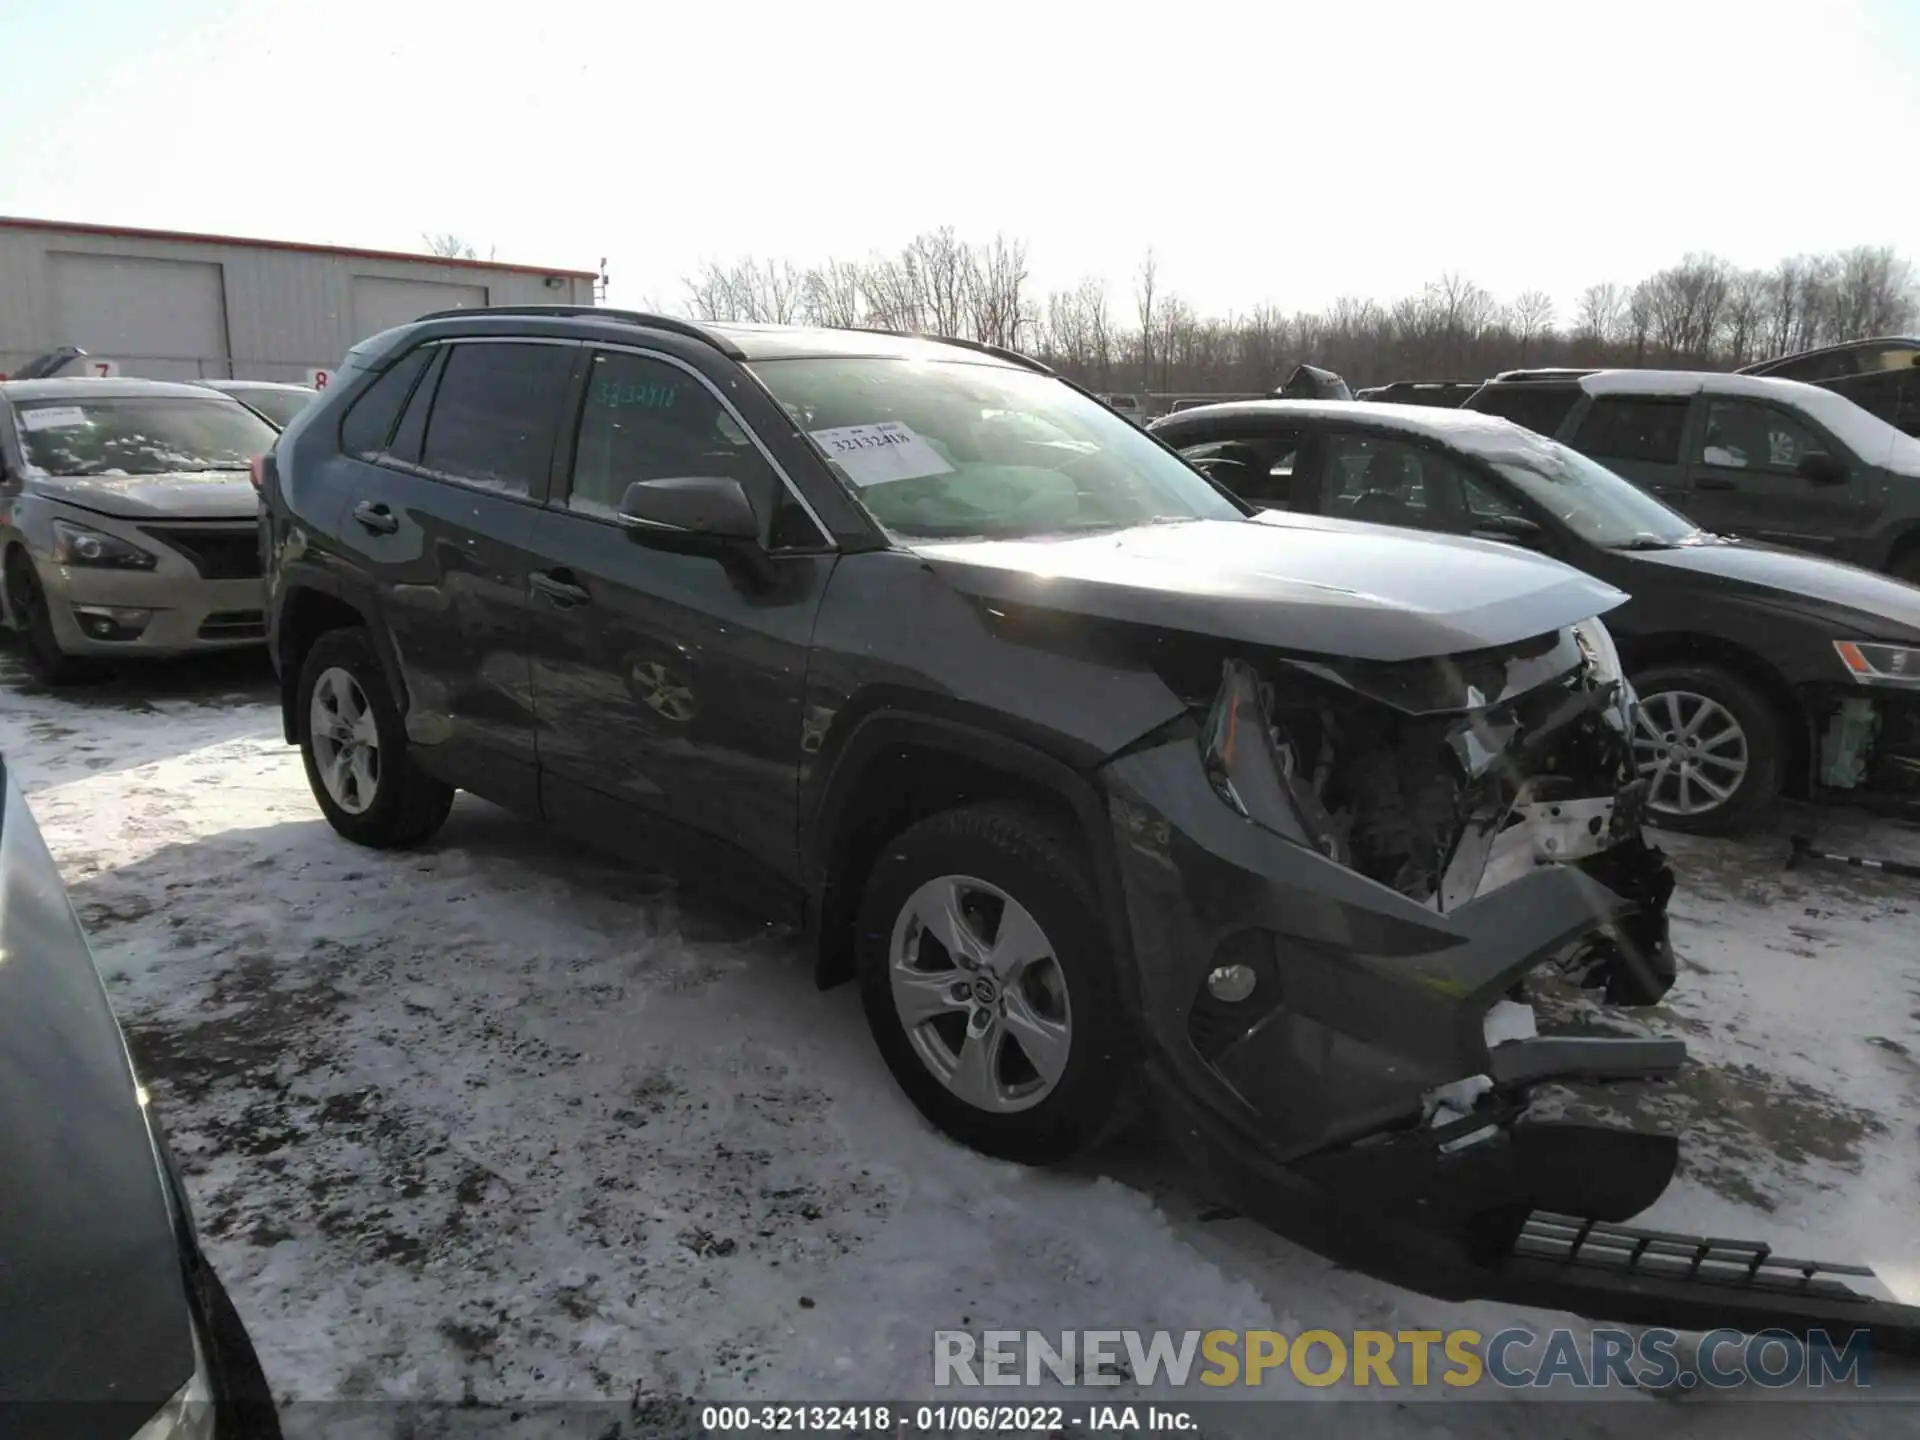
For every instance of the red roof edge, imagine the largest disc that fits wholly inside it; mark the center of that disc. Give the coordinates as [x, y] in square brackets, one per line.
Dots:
[13, 222]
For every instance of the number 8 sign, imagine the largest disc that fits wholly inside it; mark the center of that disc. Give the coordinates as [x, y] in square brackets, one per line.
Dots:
[318, 378]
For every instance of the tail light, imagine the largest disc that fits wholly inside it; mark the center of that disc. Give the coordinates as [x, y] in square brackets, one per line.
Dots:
[256, 469]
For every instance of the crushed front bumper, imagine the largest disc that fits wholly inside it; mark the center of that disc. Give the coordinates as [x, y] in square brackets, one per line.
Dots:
[1338, 1055]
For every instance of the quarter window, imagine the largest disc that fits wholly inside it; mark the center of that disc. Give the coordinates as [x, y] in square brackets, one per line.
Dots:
[1540, 408]
[495, 414]
[370, 419]
[1632, 427]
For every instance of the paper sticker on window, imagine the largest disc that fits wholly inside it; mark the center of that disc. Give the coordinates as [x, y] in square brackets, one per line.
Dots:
[53, 417]
[877, 454]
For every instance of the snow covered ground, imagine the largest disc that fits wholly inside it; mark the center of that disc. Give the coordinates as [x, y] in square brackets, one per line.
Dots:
[502, 1120]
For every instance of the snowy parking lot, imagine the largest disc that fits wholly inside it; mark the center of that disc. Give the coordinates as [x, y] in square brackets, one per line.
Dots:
[501, 1120]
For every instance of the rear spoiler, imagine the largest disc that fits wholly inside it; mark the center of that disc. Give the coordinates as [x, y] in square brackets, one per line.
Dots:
[46, 366]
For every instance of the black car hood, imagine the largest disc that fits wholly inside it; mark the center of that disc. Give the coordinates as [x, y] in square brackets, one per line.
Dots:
[1299, 583]
[93, 1302]
[1874, 605]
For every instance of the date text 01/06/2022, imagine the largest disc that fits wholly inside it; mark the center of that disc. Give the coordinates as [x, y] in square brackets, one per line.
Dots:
[902, 1419]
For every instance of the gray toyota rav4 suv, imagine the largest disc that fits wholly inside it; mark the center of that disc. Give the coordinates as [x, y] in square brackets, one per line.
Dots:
[127, 520]
[1101, 787]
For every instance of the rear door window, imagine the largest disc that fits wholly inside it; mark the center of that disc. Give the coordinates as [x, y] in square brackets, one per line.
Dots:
[1391, 482]
[1742, 435]
[1634, 427]
[495, 414]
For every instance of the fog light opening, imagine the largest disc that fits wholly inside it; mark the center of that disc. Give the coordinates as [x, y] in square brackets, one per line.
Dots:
[111, 622]
[1231, 984]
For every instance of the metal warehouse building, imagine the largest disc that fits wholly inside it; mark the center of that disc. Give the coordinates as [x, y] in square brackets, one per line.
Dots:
[181, 307]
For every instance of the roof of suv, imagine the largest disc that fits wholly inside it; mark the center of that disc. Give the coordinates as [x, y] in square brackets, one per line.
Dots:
[89, 387]
[749, 342]
[1437, 421]
[1864, 431]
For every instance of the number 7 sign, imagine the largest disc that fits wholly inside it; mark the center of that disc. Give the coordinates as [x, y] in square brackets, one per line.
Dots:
[100, 369]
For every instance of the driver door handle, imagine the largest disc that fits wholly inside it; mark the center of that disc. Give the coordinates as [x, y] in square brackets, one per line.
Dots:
[1713, 482]
[559, 587]
[376, 517]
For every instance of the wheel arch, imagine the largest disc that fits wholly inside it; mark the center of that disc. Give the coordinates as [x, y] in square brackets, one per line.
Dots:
[895, 767]
[309, 607]
[1684, 648]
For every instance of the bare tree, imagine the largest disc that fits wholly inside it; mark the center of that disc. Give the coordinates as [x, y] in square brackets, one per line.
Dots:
[1602, 313]
[1700, 311]
[1144, 296]
[449, 247]
[1531, 317]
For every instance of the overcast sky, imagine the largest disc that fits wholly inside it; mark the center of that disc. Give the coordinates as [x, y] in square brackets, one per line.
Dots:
[1268, 150]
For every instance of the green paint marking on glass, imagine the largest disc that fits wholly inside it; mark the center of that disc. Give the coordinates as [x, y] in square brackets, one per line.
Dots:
[643, 397]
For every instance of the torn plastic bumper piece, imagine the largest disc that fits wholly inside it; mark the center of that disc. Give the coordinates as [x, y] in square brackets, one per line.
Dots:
[1482, 1224]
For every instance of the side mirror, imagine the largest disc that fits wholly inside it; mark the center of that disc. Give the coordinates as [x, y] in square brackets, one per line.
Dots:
[1516, 529]
[1821, 468]
[698, 510]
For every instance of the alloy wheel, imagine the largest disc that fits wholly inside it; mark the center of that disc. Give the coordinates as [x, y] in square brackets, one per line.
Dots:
[980, 994]
[1692, 750]
[346, 742]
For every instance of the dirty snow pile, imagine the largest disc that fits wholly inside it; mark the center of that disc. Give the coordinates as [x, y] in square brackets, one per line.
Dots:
[501, 1120]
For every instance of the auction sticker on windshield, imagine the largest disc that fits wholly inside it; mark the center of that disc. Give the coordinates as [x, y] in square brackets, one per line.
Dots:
[877, 454]
[53, 417]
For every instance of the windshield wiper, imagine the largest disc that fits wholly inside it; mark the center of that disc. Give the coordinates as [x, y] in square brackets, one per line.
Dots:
[1647, 542]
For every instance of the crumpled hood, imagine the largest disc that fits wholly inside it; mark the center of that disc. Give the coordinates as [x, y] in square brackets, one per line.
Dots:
[194, 495]
[1301, 583]
[1870, 603]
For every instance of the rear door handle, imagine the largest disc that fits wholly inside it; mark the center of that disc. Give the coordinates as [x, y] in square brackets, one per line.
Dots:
[1713, 482]
[377, 518]
[560, 590]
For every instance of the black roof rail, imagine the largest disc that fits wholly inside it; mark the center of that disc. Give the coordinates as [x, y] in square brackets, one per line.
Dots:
[999, 352]
[1561, 372]
[670, 323]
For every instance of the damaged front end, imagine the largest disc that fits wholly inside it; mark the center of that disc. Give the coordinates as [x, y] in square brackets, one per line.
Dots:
[1341, 876]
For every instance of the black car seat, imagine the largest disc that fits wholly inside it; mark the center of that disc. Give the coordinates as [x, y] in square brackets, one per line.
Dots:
[1384, 497]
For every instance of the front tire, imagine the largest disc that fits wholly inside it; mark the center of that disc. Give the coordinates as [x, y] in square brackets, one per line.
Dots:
[354, 745]
[988, 982]
[1712, 745]
[40, 647]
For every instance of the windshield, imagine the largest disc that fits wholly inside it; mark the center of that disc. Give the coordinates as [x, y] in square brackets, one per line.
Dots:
[140, 435]
[1589, 499]
[951, 449]
[279, 406]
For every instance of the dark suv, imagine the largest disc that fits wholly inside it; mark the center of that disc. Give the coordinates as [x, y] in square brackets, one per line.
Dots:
[1102, 788]
[1765, 459]
[1881, 375]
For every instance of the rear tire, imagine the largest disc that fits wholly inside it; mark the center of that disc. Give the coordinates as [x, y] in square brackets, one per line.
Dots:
[32, 614]
[1701, 726]
[1030, 984]
[359, 766]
